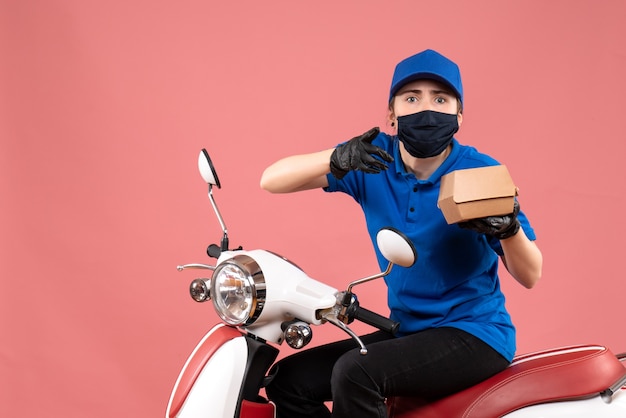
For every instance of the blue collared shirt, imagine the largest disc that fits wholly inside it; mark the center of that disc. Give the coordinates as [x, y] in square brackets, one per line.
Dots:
[455, 279]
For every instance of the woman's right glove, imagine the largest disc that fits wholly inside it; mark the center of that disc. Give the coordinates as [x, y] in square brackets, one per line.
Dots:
[357, 154]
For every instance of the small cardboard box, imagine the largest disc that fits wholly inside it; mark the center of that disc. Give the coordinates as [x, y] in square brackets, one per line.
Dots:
[476, 193]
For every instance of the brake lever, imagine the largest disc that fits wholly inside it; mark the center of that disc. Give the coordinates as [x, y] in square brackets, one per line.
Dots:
[330, 317]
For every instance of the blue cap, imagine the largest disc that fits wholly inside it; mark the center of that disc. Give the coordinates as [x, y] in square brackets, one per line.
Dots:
[427, 64]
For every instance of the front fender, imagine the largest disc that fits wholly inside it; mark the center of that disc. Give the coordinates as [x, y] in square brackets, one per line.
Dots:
[209, 383]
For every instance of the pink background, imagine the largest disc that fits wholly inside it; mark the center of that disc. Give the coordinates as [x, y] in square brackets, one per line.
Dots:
[105, 105]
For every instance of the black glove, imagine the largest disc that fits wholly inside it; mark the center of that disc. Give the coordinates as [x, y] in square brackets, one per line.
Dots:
[357, 154]
[500, 227]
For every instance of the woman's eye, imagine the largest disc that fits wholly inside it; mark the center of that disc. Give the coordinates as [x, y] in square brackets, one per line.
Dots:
[440, 100]
[411, 99]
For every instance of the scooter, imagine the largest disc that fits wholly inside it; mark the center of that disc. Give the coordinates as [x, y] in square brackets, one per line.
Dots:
[263, 300]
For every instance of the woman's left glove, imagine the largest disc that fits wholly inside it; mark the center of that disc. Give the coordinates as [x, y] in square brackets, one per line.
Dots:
[500, 227]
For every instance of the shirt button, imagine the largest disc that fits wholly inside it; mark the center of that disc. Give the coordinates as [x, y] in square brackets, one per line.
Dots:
[412, 210]
[414, 188]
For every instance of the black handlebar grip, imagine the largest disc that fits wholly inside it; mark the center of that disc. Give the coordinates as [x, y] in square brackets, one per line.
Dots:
[214, 251]
[376, 320]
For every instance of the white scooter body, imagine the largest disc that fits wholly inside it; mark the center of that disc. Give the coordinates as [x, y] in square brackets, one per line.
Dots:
[210, 383]
[290, 294]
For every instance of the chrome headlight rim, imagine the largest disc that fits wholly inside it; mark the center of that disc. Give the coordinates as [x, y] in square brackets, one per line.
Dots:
[250, 281]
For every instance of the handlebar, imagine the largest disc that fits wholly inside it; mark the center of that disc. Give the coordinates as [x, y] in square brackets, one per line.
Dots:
[351, 311]
[376, 320]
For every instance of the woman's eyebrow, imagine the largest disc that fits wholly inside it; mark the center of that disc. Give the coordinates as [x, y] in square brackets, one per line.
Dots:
[432, 91]
[447, 92]
[414, 91]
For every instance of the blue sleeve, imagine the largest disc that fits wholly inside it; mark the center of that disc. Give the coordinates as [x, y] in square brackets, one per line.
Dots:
[332, 183]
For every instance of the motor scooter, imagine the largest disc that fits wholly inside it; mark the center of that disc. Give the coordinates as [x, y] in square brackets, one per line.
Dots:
[264, 299]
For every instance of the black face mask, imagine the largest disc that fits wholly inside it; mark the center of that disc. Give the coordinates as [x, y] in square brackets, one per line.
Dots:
[427, 133]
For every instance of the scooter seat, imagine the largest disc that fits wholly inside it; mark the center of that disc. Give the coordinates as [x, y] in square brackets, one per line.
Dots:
[560, 374]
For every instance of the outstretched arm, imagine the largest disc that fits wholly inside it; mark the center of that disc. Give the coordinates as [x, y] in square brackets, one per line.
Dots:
[297, 172]
[308, 171]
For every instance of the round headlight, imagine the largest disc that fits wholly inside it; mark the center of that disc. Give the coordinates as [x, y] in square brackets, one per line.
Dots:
[238, 290]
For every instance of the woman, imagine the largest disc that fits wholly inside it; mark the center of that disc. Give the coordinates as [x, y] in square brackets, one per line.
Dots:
[455, 330]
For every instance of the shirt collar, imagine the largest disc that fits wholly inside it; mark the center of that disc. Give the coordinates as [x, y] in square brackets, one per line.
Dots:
[439, 172]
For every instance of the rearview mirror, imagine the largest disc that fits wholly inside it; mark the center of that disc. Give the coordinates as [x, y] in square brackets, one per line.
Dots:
[396, 247]
[207, 170]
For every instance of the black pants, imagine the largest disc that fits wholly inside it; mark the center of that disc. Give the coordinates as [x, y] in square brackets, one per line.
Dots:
[429, 364]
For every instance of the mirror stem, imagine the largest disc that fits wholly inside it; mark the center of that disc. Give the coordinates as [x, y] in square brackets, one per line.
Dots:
[367, 279]
[219, 218]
